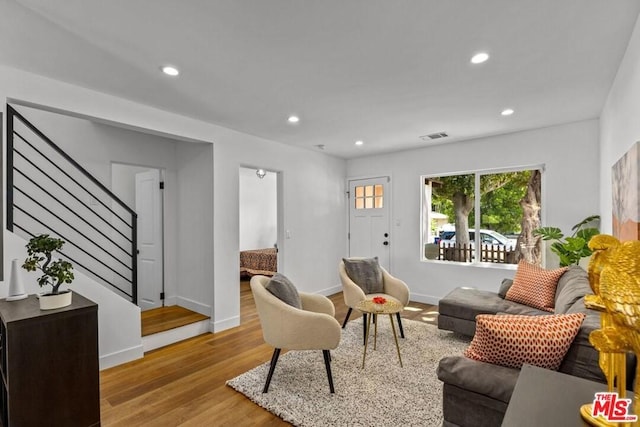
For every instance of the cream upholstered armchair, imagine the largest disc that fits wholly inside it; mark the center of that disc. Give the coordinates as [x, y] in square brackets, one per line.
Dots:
[283, 326]
[392, 288]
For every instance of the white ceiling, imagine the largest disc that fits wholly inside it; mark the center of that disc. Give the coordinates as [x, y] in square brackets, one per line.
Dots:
[383, 71]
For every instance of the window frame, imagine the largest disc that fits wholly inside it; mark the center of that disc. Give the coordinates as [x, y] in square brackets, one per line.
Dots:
[476, 222]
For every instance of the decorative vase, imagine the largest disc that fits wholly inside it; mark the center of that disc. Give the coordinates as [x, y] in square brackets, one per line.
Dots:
[53, 301]
[16, 285]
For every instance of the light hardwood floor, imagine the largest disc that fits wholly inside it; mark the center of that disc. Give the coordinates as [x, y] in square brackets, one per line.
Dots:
[184, 384]
[165, 318]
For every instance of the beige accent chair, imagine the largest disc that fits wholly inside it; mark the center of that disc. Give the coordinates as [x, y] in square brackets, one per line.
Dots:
[393, 288]
[284, 326]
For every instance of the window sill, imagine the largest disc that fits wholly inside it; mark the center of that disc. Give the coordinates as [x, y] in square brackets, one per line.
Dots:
[493, 265]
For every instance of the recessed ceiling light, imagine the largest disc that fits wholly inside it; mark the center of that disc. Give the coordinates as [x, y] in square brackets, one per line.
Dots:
[507, 112]
[293, 119]
[359, 142]
[479, 58]
[170, 70]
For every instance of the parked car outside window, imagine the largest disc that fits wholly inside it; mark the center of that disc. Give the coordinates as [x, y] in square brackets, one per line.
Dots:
[487, 237]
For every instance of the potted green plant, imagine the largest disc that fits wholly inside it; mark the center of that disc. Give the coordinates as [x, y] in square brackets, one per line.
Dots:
[54, 273]
[574, 247]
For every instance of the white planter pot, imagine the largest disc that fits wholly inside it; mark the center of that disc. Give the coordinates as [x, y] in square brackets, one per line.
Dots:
[50, 302]
[431, 250]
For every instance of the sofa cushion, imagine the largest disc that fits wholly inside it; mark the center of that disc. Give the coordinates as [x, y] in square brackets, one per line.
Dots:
[461, 407]
[467, 303]
[512, 340]
[366, 273]
[573, 285]
[283, 289]
[457, 325]
[504, 287]
[582, 359]
[534, 286]
[515, 308]
[487, 379]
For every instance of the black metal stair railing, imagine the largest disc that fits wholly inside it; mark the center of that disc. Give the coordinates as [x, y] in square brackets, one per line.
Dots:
[49, 192]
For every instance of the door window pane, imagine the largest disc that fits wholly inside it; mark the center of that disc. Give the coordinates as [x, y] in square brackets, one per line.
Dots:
[369, 197]
[368, 191]
[368, 203]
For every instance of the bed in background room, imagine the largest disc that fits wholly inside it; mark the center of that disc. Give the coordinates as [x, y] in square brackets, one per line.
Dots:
[259, 261]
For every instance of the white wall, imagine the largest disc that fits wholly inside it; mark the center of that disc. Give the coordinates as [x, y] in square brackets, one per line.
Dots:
[258, 210]
[619, 123]
[96, 146]
[313, 185]
[570, 193]
[123, 181]
[195, 228]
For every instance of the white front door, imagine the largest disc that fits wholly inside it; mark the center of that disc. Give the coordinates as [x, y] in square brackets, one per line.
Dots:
[150, 263]
[369, 231]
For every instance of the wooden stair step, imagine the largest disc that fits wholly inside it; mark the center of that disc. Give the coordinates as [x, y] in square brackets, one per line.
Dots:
[166, 318]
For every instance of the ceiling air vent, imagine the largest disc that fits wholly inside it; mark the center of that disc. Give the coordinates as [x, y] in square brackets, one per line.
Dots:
[432, 136]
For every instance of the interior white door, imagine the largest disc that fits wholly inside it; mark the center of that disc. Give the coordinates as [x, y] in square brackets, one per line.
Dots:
[369, 231]
[150, 262]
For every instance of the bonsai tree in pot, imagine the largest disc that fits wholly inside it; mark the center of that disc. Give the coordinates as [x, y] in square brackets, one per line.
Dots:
[574, 247]
[54, 273]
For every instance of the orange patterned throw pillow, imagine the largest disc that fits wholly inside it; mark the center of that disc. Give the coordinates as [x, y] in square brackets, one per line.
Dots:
[512, 340]
[534, 286]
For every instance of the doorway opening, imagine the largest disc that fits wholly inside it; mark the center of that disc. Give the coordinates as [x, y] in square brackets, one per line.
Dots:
[258, 226]
[141, 188]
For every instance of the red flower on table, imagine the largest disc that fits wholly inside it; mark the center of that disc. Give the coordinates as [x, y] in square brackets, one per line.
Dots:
[379, 300]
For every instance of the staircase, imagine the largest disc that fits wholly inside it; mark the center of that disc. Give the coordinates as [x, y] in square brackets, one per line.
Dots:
[50, 193]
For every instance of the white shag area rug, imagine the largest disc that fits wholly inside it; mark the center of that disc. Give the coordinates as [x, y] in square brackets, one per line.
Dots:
[381, 394]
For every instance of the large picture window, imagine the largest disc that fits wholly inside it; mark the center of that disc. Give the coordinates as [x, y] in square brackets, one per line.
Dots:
[482, 217]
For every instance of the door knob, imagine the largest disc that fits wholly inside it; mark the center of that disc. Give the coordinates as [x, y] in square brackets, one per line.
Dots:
[385, 243]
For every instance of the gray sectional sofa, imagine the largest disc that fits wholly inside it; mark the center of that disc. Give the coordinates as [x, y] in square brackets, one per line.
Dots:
[477, 393]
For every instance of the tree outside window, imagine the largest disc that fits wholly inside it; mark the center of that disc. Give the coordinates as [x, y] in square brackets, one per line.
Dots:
[503, 206]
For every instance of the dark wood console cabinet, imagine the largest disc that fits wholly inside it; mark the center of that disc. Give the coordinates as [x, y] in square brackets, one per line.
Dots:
[49, 364]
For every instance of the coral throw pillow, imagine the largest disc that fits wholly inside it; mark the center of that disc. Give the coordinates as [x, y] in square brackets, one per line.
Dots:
[512, 340]
[534, 286]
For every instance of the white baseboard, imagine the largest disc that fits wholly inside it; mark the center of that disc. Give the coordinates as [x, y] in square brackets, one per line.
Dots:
[425, 299]
[192, 305]
[221, 325]
[120, 357]
[161, 339]
[330, 291]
